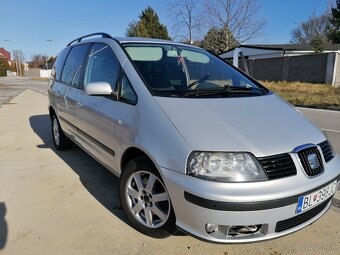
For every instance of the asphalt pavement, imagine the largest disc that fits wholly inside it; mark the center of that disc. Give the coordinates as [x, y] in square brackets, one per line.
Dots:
[22, 82]
[328, 121]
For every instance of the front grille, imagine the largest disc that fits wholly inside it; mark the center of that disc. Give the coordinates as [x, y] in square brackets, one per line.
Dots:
[326, 150]
[309, 169]
[278, 166]
[301, 218]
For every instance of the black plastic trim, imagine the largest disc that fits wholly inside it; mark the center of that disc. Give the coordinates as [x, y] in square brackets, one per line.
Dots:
[248, 206]
[301, 218]
[278, 166]
[99, 144]
[327, 150]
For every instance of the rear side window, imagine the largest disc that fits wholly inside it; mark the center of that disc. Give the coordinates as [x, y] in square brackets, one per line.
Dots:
[102, 66]
[74, 64]
[59, 63]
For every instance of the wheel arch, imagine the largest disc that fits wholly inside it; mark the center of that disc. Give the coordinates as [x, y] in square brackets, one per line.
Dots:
[51, 111]
[131, 153]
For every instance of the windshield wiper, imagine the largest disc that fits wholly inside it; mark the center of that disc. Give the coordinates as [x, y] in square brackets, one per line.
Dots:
[225, 91]
[247, 88]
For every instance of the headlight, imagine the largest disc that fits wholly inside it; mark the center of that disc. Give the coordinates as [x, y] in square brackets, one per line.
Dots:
[225, 167]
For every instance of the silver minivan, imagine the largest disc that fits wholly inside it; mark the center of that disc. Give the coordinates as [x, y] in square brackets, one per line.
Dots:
[198, 145]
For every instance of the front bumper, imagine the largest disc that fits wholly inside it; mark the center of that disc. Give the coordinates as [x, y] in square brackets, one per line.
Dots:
[198, 202]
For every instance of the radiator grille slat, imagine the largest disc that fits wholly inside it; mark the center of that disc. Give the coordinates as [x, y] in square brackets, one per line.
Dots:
[326, 150]
[278, 166]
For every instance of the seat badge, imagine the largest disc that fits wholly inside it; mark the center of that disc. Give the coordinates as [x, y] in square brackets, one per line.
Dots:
[313, 161]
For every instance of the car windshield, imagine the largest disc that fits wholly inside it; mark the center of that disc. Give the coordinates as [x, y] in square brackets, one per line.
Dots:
[176, 70]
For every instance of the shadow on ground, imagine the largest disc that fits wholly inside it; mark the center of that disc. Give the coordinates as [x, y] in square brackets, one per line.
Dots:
[3, 225]
[100, 182]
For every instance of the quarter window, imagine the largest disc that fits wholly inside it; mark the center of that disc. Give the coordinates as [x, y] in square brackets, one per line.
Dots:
[127, 93]
[73, 65]
[102, 66]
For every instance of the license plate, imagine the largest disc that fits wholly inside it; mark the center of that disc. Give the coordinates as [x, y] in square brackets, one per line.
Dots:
[308, 201]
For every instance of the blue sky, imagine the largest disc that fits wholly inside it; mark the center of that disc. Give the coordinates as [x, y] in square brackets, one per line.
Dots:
[27, 24]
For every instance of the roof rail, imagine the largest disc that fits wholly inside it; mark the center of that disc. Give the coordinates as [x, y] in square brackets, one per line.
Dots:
[104, 35]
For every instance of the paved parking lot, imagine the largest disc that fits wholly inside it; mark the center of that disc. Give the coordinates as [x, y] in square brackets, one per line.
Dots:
[66, 203]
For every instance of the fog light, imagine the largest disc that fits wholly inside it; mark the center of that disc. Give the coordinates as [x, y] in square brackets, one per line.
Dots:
[210, 228]
[243, 230]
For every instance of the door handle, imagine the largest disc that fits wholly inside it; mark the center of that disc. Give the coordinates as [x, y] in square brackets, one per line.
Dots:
[79, 104]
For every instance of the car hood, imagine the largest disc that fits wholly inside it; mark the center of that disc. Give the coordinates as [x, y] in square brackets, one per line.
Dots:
[264, 125]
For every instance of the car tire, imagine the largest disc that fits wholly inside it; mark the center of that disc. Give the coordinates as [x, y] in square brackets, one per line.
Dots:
[145, 200]
[60, 140]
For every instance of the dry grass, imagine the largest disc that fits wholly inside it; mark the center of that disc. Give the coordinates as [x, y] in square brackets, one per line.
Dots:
[306, 94]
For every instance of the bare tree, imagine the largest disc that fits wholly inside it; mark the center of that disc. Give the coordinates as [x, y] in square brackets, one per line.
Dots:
[186, 20]
[315, 32]
[239, 18]
[38, 60]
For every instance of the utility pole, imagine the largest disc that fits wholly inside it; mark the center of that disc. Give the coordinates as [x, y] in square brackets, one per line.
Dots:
[18, 56]
[15, 53]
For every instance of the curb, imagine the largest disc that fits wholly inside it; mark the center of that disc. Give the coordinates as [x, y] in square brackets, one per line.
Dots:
[9, 98]
[330, 108]
[37, 90]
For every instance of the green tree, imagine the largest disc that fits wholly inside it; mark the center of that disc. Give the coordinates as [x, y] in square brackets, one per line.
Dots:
[131, 30]
[148, 26]
[318, 43]
[218, 40]
[4, 66]
[334, 34]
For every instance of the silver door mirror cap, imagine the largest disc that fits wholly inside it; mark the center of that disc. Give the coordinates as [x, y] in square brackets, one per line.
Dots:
[102, 88]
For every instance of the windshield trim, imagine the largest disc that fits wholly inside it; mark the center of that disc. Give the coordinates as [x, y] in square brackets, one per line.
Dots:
[175, 93]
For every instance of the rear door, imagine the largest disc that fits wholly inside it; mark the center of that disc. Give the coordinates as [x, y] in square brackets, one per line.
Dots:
[57, 90]
[72, 78]
[96, 117]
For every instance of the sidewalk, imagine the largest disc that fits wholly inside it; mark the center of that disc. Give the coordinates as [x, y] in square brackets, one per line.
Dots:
[66, 203]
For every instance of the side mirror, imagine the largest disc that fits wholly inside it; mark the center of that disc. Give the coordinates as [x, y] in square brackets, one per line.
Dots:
[98, 89]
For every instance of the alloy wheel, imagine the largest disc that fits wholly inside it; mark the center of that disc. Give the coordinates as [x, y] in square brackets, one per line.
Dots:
[56, 134]
[148, 199]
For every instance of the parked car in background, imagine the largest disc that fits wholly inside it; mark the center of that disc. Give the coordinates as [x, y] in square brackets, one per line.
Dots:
[197, 144]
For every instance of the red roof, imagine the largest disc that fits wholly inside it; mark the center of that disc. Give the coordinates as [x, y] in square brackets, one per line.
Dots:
[5, 53]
